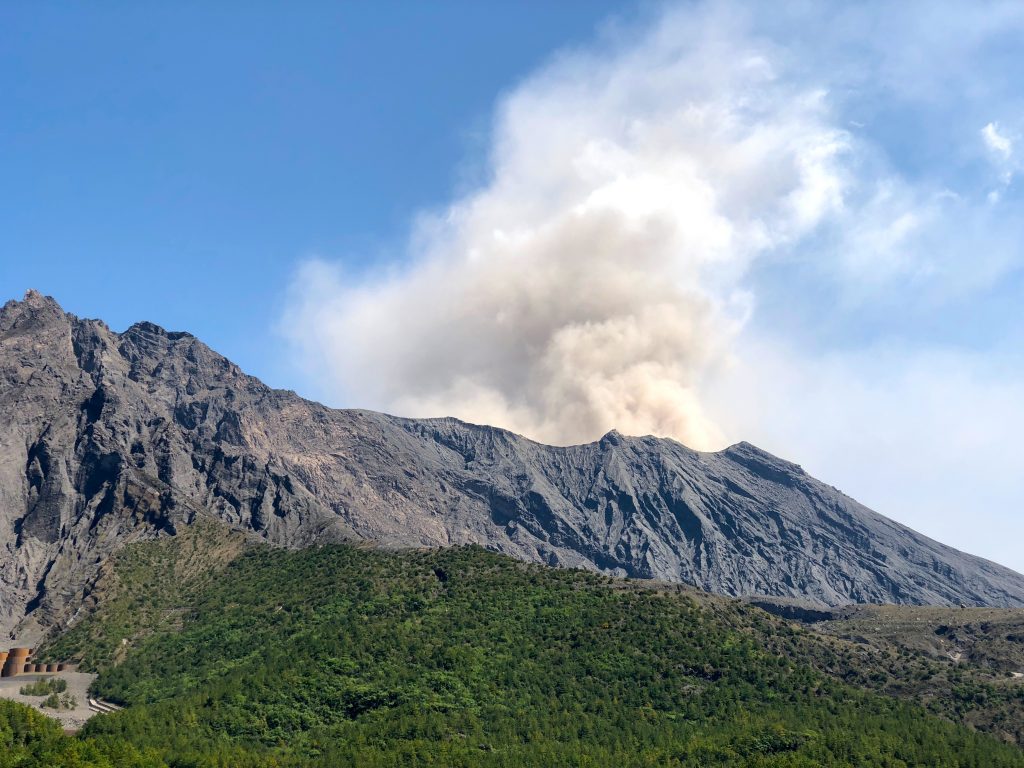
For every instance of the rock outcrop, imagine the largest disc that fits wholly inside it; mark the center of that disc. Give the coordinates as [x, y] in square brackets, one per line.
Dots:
[107, 438]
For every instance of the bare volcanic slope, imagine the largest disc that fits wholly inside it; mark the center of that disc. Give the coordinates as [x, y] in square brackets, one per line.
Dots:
[107, 438]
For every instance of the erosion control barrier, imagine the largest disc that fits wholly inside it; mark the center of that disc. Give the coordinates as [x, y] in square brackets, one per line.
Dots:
[15, 662]
[18, 661]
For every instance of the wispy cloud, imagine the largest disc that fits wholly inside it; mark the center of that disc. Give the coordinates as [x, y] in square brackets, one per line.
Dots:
[1001, 151]
[997, 142]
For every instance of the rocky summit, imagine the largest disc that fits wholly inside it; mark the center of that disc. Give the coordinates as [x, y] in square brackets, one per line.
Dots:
[108, 438]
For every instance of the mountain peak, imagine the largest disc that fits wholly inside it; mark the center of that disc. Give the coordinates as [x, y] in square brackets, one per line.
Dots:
[612, 437]
[34, 300]
[33, 309]
[109, 438]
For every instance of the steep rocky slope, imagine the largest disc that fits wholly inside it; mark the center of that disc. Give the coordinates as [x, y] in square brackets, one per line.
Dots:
[107, 438]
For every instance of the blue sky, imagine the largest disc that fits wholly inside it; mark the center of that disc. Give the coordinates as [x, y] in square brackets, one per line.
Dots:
[175, 162]
[797, 224]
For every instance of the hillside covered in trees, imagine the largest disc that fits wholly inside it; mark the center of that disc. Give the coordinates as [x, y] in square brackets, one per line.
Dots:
[351, 656]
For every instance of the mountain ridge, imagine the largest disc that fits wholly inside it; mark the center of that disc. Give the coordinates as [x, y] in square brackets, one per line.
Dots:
[115, 437]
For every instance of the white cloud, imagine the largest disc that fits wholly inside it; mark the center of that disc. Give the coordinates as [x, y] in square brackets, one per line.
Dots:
[998, 143]
[926, 435]
[1000, 147]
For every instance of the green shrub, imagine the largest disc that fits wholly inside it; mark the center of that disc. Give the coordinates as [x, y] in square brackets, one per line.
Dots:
[44, 687]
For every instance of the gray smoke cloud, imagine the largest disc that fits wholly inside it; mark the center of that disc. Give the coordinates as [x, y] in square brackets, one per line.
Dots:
[595, 280]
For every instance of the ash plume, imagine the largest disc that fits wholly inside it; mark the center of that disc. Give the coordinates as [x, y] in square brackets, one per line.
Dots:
[595, 279]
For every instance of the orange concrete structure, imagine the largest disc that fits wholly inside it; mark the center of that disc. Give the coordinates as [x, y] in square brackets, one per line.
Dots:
[16, 660]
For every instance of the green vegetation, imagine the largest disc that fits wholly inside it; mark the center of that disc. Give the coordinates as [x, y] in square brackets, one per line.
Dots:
[56, 701]
[958, 662]
[29, 739]
[344, 656]
[144, 589]
[44, 687]
[899, 651]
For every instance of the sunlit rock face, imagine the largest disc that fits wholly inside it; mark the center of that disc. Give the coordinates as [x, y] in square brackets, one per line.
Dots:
[109, 438]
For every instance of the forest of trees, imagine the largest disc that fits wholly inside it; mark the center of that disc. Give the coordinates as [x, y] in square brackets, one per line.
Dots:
[340, 656]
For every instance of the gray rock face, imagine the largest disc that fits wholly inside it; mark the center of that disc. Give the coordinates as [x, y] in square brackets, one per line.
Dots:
[107, 438]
